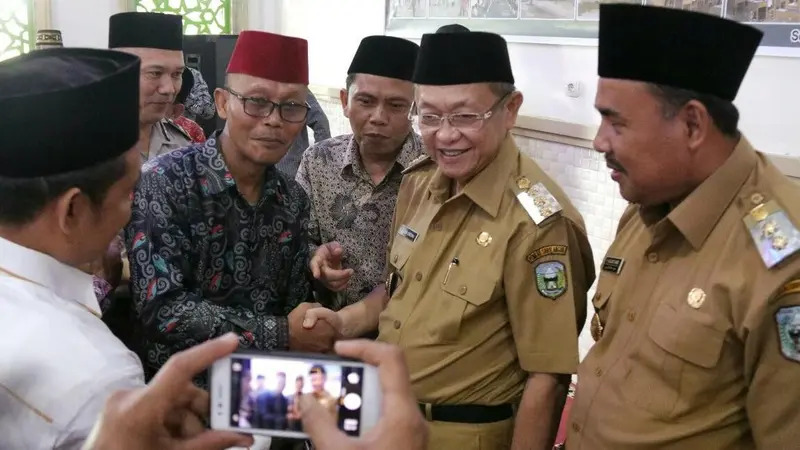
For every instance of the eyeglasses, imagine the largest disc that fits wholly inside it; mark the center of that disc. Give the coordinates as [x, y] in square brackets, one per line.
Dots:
[261, 107]
[462, 121]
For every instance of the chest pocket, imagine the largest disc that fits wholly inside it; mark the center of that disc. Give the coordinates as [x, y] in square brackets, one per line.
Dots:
[598, 316]
[677, 368]
[464, 296]
[398, 257]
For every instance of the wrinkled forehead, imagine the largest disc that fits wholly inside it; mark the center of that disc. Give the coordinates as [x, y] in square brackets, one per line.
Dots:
[168, 60]
[453, 97]
[382, 87]
[621, 91]
[625, 98]
[251, 86]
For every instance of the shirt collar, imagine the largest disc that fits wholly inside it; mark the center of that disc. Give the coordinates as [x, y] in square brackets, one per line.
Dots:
[698, 213]
[215, 177]
[161, 127]
[485, 189]
[65, 281]
[351, 158]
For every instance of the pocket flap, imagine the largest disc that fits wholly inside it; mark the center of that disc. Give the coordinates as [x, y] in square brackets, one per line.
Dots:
[600, 299]
[473, 288]
[399, 254]
[686, 338]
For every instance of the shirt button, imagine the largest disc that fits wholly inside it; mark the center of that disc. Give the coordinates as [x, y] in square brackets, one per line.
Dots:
[575, 427]
[631, 316]
[394, 258]
[462, 289]
[418, 276]
[397, 324]
[652, 257]
[598, 371]
[597, 297]
[437, 226]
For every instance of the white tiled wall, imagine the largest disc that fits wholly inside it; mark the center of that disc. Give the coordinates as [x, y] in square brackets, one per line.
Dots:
[581, 173]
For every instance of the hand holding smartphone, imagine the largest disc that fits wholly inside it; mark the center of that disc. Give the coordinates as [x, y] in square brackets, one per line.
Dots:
[259, 393]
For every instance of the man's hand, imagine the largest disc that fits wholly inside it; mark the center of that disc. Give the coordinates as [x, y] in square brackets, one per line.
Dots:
[170, 412]
[400, 427]
[318, 339]
[332, 318]
[326, 266]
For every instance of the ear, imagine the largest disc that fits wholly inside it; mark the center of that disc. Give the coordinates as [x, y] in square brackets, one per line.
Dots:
[344, 98]
[221, 98]
[698, 123]
[71, 210]
[512, 106]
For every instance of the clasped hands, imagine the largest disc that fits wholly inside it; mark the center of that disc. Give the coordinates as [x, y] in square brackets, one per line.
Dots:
[312, 327]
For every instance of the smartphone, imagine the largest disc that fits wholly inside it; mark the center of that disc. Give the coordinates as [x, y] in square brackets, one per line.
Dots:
[257, 393]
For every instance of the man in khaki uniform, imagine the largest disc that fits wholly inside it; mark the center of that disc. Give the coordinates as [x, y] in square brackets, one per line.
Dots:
[158, 40]
[318, 378]
[489, 261]
[699, 294]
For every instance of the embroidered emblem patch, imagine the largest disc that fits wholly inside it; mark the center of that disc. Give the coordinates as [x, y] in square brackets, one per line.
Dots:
[551, 279]
[788, 320]
[545, 251]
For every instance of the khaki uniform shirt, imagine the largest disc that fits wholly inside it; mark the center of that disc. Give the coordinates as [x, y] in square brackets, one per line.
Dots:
[486, 295]
[699, 348]
[167, 136]
[329, 402]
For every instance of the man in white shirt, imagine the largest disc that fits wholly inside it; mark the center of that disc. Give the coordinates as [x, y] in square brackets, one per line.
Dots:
[65, 192]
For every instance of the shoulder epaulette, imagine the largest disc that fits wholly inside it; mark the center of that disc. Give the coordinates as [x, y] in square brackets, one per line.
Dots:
[537, 201]
[421, 161]
[774, 234]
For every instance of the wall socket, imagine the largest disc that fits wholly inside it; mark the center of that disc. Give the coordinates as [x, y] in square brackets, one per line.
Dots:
[573, 89]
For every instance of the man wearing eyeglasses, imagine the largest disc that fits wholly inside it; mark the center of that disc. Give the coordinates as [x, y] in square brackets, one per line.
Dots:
[488, 261]
[218, 239]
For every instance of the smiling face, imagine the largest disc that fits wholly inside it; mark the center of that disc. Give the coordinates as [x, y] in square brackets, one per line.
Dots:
[461, 153]
[377, 108]
[648, 153]
[260, 140]
[160, 81]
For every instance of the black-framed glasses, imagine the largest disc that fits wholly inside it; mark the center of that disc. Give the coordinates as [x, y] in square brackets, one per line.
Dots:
[462, 121]
[292, 112]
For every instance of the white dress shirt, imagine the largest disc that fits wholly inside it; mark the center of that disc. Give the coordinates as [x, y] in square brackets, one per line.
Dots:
[58, 361]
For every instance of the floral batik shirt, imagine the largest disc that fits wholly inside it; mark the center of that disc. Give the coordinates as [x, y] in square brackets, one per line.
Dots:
[347, 207]
[204, 262]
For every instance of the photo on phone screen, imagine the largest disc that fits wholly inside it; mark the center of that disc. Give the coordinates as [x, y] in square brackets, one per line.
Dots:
[264, 391]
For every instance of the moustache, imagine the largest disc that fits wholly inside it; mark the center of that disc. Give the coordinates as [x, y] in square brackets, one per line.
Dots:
[613, 164]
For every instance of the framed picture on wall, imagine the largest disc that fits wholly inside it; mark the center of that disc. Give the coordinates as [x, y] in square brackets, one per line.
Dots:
[568, 21]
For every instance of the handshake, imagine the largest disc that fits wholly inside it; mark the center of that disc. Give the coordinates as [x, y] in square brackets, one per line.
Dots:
[312, 327]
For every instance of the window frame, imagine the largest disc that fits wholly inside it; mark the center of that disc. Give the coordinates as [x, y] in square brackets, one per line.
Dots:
[238, 13]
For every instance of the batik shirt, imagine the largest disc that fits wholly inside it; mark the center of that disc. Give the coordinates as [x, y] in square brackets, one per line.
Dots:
[204, 262]
[347, 207]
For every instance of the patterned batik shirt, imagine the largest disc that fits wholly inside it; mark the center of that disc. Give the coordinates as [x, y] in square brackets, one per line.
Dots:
[204, 262]
[199, 104]
[347, 207]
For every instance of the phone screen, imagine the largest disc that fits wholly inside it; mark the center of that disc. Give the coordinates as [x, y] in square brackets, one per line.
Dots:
[265, 392]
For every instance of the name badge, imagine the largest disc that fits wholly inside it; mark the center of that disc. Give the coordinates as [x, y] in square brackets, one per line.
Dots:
[408, 233]
[614, 265]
